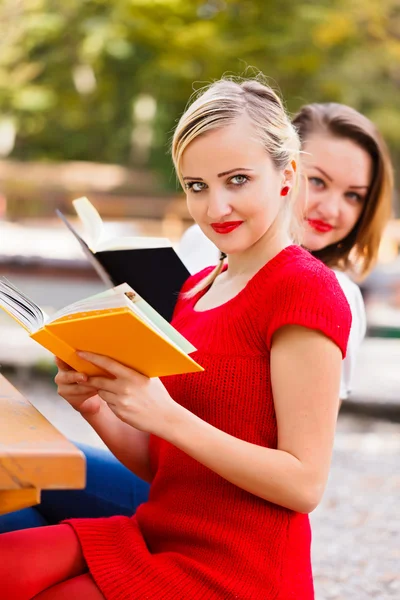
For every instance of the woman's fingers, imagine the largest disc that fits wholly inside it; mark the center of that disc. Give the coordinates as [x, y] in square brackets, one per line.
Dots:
[111, 385]
[108, 397]
[69, 377]
[62, 365]
[76, 390]
[108, 364]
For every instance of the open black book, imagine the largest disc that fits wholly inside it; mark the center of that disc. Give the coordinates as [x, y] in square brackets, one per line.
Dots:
[149, 265]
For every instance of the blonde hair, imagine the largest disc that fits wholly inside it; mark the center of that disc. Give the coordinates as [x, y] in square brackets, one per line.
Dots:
[222, 104]
[358, 251]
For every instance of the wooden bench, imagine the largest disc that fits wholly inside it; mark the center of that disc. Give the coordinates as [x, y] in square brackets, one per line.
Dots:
[33, 455]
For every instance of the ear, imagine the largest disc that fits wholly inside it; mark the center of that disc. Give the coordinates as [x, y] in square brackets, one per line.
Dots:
[289, 174]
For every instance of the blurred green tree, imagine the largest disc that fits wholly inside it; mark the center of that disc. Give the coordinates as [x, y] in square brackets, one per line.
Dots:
[106, 81]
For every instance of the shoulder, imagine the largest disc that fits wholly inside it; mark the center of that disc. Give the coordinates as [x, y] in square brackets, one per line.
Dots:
[302, 274]
[305, 292]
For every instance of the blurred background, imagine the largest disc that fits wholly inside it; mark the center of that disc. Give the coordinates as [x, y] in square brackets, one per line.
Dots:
[90, 92]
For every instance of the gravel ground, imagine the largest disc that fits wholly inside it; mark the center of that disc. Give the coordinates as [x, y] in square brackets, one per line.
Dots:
[356, 529]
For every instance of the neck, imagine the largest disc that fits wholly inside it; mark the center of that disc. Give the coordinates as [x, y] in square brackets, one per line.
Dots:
[250, 261]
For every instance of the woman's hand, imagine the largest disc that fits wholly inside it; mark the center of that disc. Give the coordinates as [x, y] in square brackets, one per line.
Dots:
[74, 388]
[134, 398]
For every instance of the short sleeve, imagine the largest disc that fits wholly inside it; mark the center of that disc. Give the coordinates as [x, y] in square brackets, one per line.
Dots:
[312, 298]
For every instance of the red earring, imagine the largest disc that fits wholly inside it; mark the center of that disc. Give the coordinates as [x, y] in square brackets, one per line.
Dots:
[285, 190]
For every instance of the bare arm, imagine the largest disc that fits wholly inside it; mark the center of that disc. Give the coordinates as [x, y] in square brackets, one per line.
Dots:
[129, 445]
[305, 369]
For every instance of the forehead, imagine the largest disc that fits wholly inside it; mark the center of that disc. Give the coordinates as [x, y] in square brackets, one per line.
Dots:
[235, 145]
[341, 158]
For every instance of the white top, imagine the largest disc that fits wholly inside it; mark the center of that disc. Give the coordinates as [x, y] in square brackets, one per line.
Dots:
[198, 252]
[357, 331]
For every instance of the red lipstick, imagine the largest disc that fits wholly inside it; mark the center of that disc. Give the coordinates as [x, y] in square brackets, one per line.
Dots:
[320, 226]
[226, 227]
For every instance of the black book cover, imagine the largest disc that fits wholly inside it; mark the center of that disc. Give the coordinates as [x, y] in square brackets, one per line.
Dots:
[156, 274]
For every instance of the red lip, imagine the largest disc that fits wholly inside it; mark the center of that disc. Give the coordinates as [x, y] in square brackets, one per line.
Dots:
[320, 226]
[226, 227]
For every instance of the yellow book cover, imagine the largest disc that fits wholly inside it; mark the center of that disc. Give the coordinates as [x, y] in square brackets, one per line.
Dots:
[116, 323]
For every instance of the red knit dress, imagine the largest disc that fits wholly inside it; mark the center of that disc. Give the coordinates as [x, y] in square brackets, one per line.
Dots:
[199, 537]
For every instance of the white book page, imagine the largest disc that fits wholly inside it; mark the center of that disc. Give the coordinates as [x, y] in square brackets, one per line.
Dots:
[19, 306]
[113, 298]
[96, 237]
[91, 221]
[133, 243]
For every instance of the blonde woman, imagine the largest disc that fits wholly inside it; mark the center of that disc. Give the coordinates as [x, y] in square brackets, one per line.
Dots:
[238, 455]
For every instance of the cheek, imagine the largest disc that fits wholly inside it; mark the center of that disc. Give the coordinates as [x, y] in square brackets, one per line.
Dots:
[351, 216]
[309, 199]
[262, 201]
[194, 206]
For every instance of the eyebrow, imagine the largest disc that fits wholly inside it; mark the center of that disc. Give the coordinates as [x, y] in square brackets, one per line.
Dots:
[366, 187]
[220, 174]
[324, 173]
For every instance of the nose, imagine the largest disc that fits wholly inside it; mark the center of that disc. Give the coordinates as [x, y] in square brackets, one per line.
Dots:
[329, 207]
[218, 205]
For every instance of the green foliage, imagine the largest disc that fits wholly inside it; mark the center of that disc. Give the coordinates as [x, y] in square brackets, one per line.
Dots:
[71, 71]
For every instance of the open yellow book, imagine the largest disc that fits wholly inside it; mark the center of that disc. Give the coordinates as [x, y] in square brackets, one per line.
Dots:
[116, 323]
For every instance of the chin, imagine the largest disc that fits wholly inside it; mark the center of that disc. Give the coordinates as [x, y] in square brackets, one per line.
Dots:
[229, 246]
[232, 249]
[313, 244]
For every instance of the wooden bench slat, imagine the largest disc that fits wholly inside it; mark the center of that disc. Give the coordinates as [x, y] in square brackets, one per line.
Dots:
[11, 500]
[32, 452]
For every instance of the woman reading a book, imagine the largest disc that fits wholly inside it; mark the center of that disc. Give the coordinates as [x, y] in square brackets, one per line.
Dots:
[334, 139]
[238, 455]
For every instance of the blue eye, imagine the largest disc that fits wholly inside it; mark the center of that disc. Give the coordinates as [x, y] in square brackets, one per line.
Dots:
[239, 180]
[355, 197]
[317, 182]
[195, 186]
